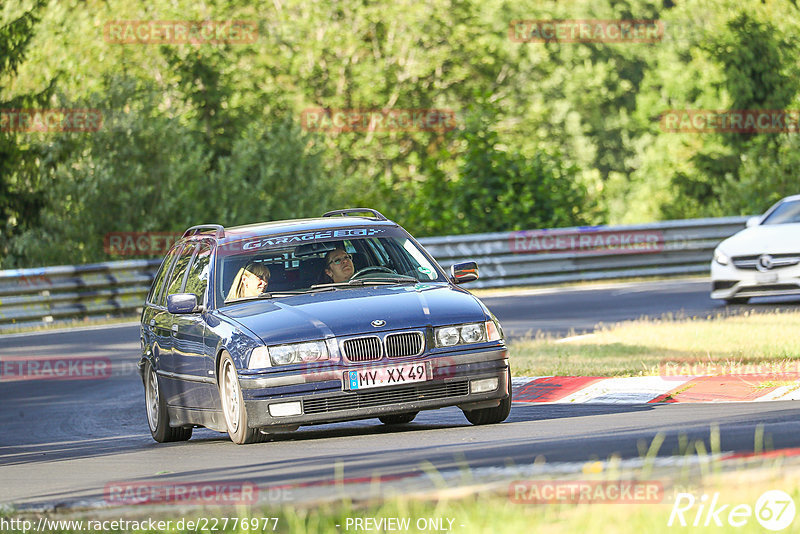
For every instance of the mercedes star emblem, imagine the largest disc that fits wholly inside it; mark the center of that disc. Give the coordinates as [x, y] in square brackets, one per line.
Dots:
[764, 262]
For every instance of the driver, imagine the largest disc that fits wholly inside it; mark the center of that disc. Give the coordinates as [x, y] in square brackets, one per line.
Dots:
[250, 281]
[339, 265]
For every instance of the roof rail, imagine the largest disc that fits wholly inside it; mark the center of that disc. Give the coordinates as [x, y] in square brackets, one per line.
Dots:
[350, 211]
[219, 231]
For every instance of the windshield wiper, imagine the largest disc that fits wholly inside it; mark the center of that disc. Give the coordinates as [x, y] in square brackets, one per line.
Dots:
[289, 293]
[385, 280]
[366, 281]
[286, 293]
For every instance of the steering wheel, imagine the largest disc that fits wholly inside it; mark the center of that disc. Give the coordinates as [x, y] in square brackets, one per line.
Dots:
[373, 268]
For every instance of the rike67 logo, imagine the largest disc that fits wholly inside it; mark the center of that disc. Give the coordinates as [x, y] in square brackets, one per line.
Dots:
[774, 510]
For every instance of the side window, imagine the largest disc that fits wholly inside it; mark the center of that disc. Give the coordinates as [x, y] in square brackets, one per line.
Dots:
[161, 275]
[181, 264]
[198, 273]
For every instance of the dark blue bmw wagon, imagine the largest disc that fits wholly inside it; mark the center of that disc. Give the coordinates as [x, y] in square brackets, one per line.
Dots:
[263, 328]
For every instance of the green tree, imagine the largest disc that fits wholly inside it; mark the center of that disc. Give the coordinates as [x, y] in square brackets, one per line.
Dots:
[144, 171]
[720, 56]
[21, 193]
[497, 187]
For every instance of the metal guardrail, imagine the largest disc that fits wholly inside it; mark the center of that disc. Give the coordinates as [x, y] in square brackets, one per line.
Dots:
[53, 294]
[587, 252]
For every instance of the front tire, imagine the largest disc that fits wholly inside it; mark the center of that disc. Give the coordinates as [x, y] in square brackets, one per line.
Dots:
[157, 415]
[230, 393]
[490, 416]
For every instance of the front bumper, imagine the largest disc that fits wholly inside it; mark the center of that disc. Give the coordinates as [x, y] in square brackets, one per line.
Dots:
[730, 282]
[323, 398]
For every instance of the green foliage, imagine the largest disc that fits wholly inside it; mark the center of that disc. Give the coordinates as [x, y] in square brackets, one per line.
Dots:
[548, 134]
[21, 195]
[146, 172]
[274, 172]
[755, 57]
[763, 179]
[737, 57]
[501, 189]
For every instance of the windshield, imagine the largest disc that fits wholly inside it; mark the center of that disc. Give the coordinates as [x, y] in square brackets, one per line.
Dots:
[278, 266]
[785, 213]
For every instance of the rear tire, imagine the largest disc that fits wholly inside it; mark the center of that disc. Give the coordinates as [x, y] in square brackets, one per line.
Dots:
[398, 419]
[157, 415]
[230, 393]
[490, 416]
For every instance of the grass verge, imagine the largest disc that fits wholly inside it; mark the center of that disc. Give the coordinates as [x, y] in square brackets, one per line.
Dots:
[769, 342]
[503, 508]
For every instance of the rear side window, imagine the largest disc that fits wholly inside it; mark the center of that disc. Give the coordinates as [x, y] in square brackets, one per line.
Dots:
[197, 281]
[178, 272]
[161, 275]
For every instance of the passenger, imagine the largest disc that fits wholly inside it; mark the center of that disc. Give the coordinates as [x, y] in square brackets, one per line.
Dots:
[339, 265]
[250, 281]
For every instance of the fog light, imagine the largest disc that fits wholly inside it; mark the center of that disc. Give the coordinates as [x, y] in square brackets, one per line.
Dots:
[483, 385]
[285, 409]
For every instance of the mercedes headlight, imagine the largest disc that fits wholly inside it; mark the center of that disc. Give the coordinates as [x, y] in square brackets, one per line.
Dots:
[721, 258]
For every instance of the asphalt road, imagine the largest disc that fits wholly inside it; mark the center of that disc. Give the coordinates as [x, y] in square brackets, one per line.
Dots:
[62, 442]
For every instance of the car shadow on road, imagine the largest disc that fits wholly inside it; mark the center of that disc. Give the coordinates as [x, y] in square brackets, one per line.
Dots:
[367, 452]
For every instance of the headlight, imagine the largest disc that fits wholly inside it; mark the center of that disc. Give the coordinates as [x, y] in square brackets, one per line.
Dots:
[721, 258]
[466, 334]
[311, 351]
[472, 333]
[447, 336]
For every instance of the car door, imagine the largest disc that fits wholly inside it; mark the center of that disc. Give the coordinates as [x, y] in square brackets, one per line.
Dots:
[173, 383]
[156, 321]
[190, 353]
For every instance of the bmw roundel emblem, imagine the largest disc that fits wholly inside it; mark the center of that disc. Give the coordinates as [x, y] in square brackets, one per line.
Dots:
[378, 323]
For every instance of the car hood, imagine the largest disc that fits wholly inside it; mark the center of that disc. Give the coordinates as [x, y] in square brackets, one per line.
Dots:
[764, 239]
[350, 311]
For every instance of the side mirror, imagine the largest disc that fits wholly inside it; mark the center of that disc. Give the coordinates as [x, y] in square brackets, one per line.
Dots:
[182, 303]
[752, 221]
[464, 272]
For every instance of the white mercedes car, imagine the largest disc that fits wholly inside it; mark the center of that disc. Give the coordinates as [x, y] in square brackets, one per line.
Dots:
[763, 260]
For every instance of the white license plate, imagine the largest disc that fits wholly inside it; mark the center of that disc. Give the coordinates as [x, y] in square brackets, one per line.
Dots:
[385, 376]
[766, 278]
